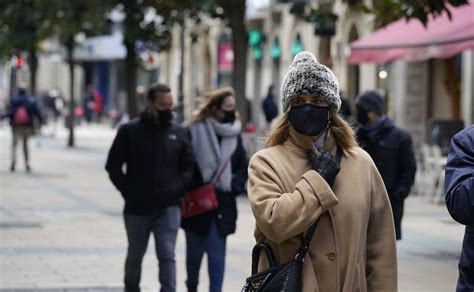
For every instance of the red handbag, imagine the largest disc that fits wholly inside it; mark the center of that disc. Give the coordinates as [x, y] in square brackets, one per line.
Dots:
[201, 200]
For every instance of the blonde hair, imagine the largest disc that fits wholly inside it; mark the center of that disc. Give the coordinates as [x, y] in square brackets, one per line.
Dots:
[211, 103]
[340, 129]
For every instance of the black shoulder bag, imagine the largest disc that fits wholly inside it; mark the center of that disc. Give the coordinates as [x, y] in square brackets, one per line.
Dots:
[285, 277]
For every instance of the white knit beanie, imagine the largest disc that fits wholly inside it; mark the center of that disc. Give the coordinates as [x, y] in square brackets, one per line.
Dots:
[306, 76]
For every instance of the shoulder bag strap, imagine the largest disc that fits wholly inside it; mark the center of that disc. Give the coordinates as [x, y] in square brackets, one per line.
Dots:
[309, 234]
[220, 173]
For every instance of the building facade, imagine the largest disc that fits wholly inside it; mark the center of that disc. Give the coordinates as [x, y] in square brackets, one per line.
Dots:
[418, 94]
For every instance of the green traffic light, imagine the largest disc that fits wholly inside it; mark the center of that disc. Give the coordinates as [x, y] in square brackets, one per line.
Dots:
[255, 37]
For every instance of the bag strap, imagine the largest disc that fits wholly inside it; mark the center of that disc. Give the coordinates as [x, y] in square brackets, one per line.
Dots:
[256, 256]
[309, 234]
[220, 173]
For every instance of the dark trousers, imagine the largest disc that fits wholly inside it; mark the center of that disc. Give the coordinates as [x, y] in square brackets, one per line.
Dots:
[215, 246]
[165, 229]
[397, 210]
[23, 133]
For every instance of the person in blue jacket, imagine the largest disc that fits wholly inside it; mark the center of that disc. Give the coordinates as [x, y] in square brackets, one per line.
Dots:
[460, 200]
[24, 114]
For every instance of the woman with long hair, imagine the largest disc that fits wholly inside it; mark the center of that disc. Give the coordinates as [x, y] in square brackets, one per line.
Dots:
[220, 155]
[297, 180]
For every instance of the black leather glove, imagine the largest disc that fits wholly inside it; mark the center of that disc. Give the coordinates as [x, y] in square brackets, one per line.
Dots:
[326, 165]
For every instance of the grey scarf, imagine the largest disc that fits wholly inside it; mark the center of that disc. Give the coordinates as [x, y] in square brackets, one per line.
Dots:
[212, 157]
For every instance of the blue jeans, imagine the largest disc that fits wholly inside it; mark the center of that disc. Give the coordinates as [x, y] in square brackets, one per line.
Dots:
[215, 247]
[165, 229]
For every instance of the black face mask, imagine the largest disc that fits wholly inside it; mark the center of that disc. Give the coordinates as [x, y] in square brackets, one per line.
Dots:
[229, 117]
[165, 116]
[362, 116]
[309, 119]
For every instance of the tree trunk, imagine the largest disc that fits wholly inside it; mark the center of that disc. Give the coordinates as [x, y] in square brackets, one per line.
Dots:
[33, 69]
[131, 73]
[235, 11]
[32, 53]
[72, 105]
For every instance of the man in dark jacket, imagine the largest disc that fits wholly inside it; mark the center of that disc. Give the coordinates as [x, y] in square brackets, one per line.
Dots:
[391, 149]
[460, 200]
[24, 114]
[159, 168]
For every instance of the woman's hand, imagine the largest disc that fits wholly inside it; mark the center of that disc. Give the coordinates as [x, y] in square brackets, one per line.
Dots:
[326, 165]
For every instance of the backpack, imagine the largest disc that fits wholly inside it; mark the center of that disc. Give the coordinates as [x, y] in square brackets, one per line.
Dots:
[21, 116]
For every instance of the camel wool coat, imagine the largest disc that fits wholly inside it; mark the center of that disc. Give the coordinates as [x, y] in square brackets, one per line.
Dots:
[353, 248]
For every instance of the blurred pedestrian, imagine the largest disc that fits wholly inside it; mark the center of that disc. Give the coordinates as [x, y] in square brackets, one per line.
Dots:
[270, 109]
[25, 116]
[88, 103]
[217, 145]
[159, 167]
[53, 103]
[98, 104]
[290, 188]
[460, 200]
[391, 149]
[93, 104]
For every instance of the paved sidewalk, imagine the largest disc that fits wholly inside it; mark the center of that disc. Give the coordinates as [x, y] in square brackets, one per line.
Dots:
[61, 227]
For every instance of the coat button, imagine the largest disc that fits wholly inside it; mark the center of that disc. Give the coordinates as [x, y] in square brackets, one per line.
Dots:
[219, 216]
[331, 256]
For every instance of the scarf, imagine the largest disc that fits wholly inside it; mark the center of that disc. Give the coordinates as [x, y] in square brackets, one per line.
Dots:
[374, 129]
[325, 142]
[211, 156]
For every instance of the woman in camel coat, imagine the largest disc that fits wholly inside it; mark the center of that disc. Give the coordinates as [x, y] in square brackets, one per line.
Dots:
[353, 248]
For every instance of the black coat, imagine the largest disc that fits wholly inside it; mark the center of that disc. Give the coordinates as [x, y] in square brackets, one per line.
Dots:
[226, 214]
[460, 200]
[392, 151]
[159, 165]
[269, 108]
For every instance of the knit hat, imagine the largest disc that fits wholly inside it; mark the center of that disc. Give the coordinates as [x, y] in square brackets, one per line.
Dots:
[373, 99]
[306, 76]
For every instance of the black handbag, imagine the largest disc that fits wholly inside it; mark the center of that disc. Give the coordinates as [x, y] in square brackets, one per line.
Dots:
[285, 277]
[281, 278]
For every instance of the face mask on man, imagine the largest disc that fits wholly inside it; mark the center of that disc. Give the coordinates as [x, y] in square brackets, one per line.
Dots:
[362, 116]
[164, 116]
[229, 117]
[309, 119]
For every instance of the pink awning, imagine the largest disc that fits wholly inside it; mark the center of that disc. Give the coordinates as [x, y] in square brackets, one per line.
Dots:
[411, 41]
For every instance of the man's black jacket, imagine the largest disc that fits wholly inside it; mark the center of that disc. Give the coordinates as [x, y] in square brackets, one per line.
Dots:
[392, 151]
[159, 165]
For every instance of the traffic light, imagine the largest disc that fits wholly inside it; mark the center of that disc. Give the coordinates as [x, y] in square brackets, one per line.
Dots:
[276, 50]
[255, 39]
[20, 62]
[297, 46]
